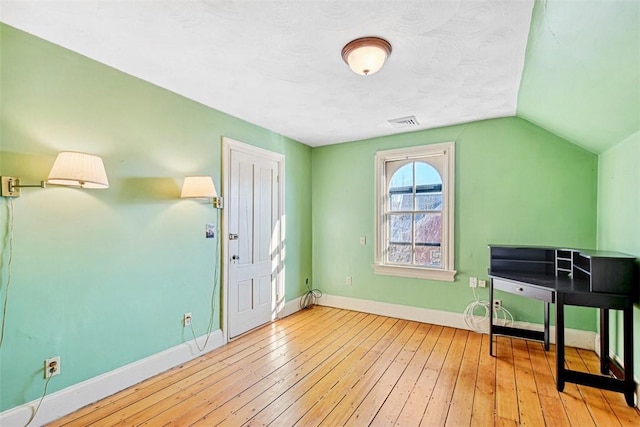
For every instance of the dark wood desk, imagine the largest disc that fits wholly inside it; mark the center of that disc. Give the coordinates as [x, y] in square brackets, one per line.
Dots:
[603, 280]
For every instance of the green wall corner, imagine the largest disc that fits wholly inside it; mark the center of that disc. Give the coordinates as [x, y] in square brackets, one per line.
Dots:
[515, 184]
[619, 219]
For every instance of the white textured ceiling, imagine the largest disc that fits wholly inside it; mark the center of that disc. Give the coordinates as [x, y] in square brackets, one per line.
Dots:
[277, 64]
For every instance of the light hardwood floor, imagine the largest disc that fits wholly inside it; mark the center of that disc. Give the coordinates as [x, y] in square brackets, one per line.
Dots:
[331, 367]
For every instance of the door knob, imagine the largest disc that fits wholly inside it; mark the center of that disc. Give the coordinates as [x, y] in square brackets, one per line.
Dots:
[235, 258]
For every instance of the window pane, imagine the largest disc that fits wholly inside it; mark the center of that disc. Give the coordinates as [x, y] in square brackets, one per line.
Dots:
[426, 174]
[428, 256]
[400, 254]
[400, 228]
[429, 202]
[403, 177]
[401, 189]
[401, 202]
[428, 229]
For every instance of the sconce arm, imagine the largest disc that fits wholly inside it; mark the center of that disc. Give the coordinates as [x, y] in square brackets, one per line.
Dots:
[10, 186]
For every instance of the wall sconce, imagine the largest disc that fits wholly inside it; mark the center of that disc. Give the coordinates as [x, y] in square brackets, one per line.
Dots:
[70, 169]
[201, 187]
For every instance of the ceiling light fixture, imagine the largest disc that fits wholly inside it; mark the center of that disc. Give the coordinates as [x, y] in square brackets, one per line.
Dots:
[366, 55]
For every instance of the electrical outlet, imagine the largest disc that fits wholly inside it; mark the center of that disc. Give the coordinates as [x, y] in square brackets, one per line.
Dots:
[497, 304]
[473, 282]
[349, 282]
[52, 367]
[482, 283]
[186, 320]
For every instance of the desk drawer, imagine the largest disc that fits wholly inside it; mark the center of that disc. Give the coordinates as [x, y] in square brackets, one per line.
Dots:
[523, 289]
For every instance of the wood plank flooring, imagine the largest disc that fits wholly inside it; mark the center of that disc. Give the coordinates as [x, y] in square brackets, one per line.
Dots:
[332, 367]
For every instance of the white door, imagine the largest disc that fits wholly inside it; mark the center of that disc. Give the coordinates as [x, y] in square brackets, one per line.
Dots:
[252, 212]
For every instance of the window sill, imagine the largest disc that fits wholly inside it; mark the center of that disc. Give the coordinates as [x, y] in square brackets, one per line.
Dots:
[415, 273]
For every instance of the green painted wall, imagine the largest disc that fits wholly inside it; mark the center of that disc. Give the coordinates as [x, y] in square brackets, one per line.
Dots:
[102, 278]
[515, 184]
[581, 78]
[619, 216]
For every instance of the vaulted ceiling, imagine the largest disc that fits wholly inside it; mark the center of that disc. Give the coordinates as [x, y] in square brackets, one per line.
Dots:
[572, 67]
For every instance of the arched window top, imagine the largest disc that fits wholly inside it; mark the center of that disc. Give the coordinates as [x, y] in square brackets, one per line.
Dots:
[414, 186]
[415, 173]
[414, 176]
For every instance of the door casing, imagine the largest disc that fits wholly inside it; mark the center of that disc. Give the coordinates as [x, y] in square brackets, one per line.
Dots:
[229, 145]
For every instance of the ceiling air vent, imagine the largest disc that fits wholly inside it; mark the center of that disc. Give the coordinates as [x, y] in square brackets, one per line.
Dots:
[404, 122]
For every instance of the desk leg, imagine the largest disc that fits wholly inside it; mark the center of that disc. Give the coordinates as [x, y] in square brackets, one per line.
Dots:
[491, 316]
[630, 384]
[546, 326]
[604, 341]
[560, 372]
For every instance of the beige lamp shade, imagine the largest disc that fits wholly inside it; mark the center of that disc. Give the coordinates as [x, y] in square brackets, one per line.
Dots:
[78, 170]
[200, 187]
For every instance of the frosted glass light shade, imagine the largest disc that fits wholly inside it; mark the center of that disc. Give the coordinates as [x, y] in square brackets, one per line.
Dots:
[78, 170]
[366, 55]
[200, 187]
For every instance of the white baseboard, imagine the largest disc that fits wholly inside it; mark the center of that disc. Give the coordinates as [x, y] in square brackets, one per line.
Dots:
[79, 395]
[425, 315]
[573, 337]
[290, 307]
[76, 396]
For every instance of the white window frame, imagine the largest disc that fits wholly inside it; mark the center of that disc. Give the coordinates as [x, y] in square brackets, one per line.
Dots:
[447, 151]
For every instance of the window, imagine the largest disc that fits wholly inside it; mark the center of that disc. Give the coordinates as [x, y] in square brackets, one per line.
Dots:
[414, 212]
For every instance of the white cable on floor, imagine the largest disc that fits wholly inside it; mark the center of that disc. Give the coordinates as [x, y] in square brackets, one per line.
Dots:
[35, 412]
[476, 315]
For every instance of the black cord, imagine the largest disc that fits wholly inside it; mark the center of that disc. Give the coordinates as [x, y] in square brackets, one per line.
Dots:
[310, 297]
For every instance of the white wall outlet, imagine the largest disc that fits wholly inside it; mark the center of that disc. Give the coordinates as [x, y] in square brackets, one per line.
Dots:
[349, 282]
[52, 367]
[482, 283]
[497, 304]
[363, 240]
[473, 282]
[186, 320]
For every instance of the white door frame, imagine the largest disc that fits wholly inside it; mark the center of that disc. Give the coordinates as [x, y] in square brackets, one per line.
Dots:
[228, 145]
